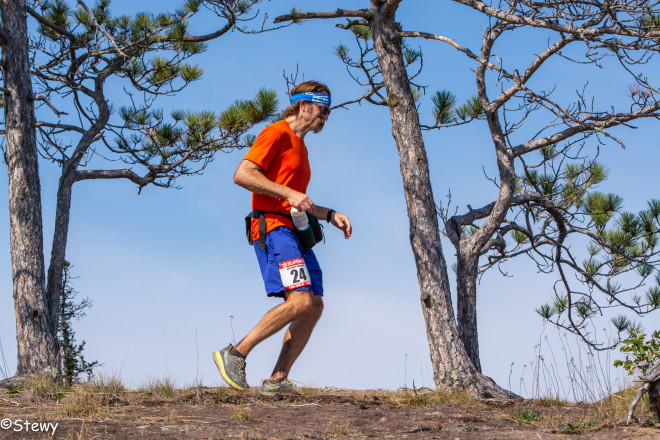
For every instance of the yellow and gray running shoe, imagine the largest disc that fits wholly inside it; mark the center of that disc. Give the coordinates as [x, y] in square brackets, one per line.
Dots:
[286, 386]
[232, 368]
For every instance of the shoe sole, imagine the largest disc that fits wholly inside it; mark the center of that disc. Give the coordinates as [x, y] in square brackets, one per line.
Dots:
[217, 358]
[272, 392]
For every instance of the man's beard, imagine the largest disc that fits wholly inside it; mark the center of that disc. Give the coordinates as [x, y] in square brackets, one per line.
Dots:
[318, 124]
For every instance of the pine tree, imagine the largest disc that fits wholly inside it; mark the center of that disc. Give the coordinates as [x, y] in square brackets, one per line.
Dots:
[525, 115]
[73, 361]
[59, 80]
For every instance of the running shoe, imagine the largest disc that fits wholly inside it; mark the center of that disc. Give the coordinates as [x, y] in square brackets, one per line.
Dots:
[286, 386]
[232, 368]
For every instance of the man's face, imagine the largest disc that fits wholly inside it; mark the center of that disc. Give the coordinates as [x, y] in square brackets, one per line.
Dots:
[315, 112]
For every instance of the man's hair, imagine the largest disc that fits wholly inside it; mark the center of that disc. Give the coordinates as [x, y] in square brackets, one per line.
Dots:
[305, 87]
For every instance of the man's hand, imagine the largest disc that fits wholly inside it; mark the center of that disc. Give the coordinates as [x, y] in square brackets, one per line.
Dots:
[342, 222]
[300, 201]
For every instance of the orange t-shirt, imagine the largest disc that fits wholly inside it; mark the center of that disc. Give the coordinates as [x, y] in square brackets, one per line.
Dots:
[283, 156]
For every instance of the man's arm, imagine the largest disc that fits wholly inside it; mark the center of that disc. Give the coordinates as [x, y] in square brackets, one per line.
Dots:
[338, 219]
[250, 176]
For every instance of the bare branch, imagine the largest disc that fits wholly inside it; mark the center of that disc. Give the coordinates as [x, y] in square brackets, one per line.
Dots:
[553, 23]
[339, 13]
[352, 23]
[366, 96]
[426, 35]
[125, 173]
[231, 22]
[39, 97]
[588, 123]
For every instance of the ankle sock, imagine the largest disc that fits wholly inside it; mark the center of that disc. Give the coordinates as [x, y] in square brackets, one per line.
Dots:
[235, 352]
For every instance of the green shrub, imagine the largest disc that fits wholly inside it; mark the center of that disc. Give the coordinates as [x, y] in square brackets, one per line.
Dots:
[643, 354]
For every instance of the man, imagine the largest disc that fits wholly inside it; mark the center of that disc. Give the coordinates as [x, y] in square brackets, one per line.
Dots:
[276, 170]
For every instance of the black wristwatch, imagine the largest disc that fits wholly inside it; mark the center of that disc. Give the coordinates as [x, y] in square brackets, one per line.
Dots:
[328, 218]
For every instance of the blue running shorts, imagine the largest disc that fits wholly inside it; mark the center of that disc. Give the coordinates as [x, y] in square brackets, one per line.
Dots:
[285, 266]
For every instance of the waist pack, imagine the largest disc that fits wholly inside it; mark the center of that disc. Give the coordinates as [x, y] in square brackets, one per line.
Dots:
[317, 228]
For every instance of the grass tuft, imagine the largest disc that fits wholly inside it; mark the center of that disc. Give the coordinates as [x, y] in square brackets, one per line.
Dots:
[250, 435]
[112, 385]
[338, 429]
[528, 416]
[14, 389]
[41, 389]
[550, 401]
[81, 402]
[242, 415]
[173, 417]
[164, 387]
[574, 427]
[446, 396]
[615, 406]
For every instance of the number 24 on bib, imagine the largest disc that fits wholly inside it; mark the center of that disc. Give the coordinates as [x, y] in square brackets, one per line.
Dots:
[294, 274]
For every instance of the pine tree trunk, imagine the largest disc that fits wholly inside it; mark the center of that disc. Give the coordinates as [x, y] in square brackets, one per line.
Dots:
[60, 236]
[69, 176]
[466, 305]
[452, 366]
[36, 332]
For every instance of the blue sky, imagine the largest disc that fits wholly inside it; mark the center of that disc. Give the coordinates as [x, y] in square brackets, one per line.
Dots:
[171, 275]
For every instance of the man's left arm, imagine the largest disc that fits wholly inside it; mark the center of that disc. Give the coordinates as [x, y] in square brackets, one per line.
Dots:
[339, 220]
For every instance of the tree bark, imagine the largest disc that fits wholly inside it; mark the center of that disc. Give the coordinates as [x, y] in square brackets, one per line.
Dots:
[452, 366]
[36, 333]
[70, 175]
[60, 236]
[466, 305]
[654, 398]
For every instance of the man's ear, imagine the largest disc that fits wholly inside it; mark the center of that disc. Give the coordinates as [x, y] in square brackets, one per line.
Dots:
[304, 105]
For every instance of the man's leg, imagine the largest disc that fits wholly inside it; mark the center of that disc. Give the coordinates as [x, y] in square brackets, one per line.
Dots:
[298, 304]
[296, 338]
[232, 366]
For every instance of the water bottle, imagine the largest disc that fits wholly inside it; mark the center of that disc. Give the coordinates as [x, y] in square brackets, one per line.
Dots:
[303, 229]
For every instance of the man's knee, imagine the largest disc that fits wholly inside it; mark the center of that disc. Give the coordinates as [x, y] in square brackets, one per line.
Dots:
[305, 303]
[316, 310]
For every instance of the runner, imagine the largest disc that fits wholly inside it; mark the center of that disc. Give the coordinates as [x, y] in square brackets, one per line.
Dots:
[276, 170]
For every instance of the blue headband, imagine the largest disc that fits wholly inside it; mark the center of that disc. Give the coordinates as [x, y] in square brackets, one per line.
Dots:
[311, 97]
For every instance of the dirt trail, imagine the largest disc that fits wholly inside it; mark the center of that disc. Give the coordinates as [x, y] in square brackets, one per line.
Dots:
[318, 414]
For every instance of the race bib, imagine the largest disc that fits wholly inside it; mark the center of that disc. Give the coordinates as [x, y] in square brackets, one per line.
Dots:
[294, 274]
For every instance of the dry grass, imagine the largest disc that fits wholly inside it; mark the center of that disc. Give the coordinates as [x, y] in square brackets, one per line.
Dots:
[428, 397]
[113, 385]
[249, 434]
[242, 415]
[338, 429]
[80, 403]
[41, 389]
[550, 402]
[614, 408]
[163, 387]
[173, 417]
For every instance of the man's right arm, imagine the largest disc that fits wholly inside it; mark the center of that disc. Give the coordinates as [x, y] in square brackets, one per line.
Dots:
[250, 176]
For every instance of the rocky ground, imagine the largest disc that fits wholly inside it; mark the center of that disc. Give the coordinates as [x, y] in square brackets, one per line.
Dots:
[89, 412]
